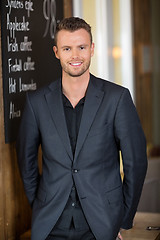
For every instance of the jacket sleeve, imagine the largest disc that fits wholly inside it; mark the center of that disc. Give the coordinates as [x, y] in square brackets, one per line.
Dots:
[27, 151]
[132, 143]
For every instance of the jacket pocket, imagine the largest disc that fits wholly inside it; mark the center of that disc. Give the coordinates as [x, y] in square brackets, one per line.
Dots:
[114, 196]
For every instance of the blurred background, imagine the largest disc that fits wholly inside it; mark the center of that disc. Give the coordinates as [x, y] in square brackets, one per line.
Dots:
[127, 51]
[126, 34]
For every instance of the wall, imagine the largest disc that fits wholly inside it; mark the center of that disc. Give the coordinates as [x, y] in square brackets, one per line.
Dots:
[117, 42]
[142, 63]
[112, 34]
[147, 73]
[90, 17]
[155, 19]
[14, 208]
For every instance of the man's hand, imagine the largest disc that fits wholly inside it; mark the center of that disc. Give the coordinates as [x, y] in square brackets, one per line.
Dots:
[119, 237]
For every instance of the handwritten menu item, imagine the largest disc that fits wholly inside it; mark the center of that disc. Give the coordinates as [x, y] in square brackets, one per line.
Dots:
[28, 61]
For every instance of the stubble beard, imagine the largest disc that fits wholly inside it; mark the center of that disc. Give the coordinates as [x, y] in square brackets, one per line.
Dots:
[74, 73]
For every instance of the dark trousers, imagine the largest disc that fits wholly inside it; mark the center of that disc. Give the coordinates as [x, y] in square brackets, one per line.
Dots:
[70, 234]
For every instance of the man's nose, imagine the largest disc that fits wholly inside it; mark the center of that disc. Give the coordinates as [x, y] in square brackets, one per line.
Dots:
[75, 53]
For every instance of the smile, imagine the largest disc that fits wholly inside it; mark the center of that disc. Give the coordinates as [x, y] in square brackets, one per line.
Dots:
[77, 64]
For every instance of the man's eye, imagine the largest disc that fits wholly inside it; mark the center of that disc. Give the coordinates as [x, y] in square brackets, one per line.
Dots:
[66, 49]
[82, 47]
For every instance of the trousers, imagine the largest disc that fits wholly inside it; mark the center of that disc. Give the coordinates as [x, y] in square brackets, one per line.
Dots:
[70, 234]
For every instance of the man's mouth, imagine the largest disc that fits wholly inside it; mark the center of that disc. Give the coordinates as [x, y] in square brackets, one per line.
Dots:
[76, 64]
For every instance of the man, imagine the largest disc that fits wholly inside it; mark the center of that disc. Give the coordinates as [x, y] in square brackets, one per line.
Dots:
[81, 123]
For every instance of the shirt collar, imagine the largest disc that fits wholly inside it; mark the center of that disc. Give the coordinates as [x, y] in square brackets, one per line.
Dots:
[67, 103]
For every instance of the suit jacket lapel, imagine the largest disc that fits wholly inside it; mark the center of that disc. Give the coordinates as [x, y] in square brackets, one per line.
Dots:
[55, 104]
[93, 100]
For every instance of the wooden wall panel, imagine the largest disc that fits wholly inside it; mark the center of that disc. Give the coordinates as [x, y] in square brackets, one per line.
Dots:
[15, 212]
[143, 63]
[68, 9]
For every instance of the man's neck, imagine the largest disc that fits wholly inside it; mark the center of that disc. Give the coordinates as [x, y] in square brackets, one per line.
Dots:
[74, 88]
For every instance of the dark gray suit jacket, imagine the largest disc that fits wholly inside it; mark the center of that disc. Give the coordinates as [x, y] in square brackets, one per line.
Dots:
[109, 124]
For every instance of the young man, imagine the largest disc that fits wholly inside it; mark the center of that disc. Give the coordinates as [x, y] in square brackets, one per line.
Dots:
[81, 123]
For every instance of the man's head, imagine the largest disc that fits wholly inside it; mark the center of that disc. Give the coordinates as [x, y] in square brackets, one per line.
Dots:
[72, 24]
[74, 47]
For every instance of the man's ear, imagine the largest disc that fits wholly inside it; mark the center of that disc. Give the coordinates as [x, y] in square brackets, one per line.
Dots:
[55, 49]
[92, 49]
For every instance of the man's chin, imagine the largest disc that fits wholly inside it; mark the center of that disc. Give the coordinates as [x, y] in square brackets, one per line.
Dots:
[77, 74]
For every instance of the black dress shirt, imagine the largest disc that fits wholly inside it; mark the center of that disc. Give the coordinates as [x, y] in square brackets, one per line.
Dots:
[73, 119]
[73, 213]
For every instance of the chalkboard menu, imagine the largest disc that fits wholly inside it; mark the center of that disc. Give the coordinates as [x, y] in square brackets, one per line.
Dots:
[28, 61]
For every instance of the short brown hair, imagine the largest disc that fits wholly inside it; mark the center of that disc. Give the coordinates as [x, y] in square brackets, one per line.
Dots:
[72, 24]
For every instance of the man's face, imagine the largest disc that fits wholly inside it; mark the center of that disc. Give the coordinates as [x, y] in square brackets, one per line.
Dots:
[74, 50]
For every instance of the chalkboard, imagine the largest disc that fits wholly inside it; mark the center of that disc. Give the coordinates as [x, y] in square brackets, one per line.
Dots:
[28, 61]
